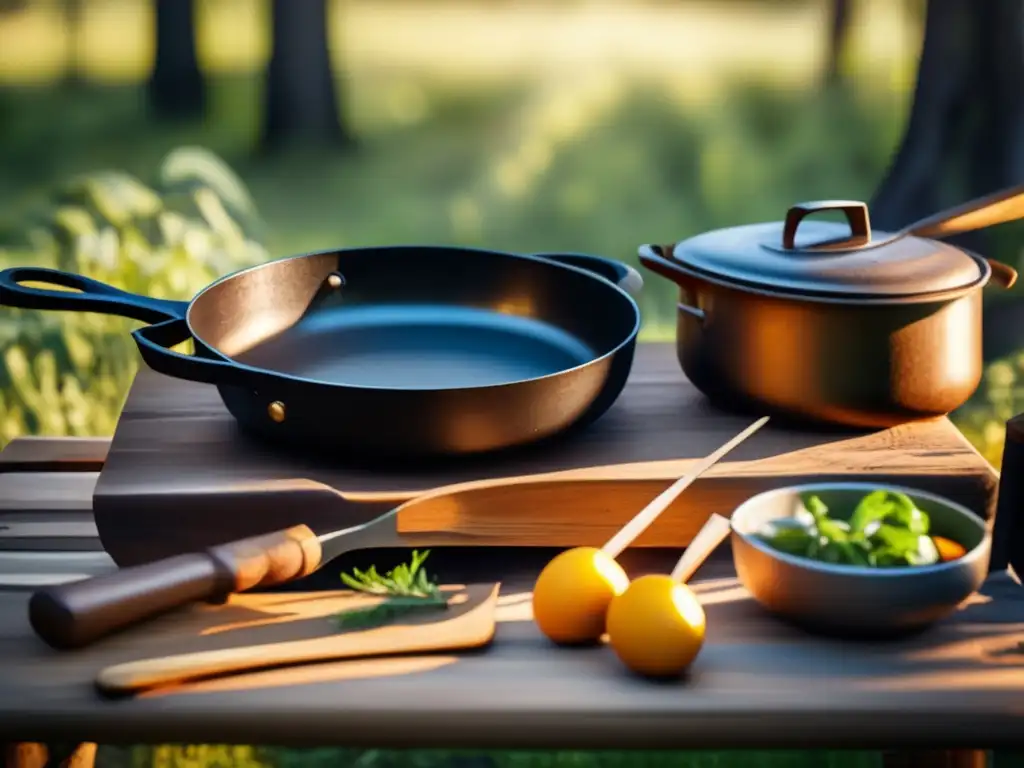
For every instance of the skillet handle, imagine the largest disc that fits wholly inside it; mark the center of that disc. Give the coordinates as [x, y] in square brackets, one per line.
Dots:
[87, 295]
[623, 275]
[154, 342]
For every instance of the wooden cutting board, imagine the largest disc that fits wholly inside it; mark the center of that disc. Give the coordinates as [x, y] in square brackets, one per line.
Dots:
[302, 630]
[180, 476]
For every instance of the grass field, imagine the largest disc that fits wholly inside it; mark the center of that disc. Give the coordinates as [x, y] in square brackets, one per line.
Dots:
[619, 124]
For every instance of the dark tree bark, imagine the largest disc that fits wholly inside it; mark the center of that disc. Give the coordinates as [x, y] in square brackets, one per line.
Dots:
[301, 104]
[73, 22]
[838, 32]
[176, 89]
[965, 135]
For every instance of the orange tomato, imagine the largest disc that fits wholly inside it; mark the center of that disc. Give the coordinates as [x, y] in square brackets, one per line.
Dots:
[948, 549]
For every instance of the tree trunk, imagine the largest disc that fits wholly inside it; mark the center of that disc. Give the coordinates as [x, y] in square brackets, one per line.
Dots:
[999, 150]
[839, 27]
[73, 23]
[965, 135]
[301, 105]
[176, 89]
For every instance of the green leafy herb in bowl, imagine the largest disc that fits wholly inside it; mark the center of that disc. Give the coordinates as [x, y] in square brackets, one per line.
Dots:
[885, 530]
[405, 589]
[847, 558]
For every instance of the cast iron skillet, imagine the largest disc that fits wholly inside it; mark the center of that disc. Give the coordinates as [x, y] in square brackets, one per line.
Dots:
[402, 351]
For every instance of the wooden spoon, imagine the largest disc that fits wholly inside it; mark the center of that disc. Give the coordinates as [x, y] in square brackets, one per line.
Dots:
[470, 624]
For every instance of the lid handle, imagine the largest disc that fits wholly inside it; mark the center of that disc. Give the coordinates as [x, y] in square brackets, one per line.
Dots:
[856, 215]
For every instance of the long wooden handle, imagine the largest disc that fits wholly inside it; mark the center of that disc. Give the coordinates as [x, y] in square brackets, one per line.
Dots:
[73, 615]
[997, 208]
[151, 673]
[649, 514]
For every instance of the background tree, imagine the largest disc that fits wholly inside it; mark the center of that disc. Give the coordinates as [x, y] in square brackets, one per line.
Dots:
[838, 34]
[176, 88]
[965, 134]
[300, 102]
[72, 10]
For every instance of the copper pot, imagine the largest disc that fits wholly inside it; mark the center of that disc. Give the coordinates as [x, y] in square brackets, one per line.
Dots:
[814, 321]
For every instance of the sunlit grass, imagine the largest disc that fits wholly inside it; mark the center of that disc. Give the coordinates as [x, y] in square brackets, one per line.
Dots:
[701, 41]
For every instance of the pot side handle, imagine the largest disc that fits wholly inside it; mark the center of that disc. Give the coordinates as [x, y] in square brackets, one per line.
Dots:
[155, 342]
[623, 275]
[655, 259]
[86, 295]
[1003, 275]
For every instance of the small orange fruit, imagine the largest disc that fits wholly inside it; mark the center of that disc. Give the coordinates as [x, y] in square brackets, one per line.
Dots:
[572, 593]
[656, 626]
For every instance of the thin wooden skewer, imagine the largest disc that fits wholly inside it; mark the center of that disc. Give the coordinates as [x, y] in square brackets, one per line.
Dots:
[643, 520]
[713, 533]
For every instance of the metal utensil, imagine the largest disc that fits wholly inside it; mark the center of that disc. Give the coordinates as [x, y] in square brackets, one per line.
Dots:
[988, 211]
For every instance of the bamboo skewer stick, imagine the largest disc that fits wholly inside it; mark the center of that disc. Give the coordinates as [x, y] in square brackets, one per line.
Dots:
[714, 532]
[643, 520]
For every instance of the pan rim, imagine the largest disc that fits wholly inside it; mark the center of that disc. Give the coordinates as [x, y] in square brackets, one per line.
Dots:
[629, 339]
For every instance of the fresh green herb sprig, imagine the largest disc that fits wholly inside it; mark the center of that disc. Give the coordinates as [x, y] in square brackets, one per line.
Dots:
[885, 530]
[406, 589]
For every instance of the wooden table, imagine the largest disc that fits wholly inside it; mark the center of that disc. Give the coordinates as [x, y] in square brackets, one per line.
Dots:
[757, 684]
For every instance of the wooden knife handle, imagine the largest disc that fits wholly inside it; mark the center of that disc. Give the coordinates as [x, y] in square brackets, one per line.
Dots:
[73, 615]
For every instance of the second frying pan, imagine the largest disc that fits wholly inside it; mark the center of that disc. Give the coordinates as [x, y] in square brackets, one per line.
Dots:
[401, 351]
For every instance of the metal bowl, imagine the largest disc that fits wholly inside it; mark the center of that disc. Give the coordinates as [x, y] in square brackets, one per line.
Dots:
[855, 601]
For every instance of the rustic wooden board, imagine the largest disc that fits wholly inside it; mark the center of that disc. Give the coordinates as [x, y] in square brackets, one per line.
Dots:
[179, 475]
[54, 454]
[951, 697]
[757, 683]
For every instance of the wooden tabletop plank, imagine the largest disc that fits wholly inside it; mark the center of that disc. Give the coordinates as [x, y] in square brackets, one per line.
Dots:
[47, 531]
[29, 492]
[54, 454]
[757, 683]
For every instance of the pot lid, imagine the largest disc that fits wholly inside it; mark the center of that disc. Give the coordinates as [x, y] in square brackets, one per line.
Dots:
[821, 257]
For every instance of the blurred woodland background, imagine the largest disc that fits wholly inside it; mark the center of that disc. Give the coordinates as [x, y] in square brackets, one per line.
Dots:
[158, 144]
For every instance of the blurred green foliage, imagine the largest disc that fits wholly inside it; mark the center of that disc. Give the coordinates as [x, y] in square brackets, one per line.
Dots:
[999, 398]
[600, 166]
[68, 373]
[217, 756]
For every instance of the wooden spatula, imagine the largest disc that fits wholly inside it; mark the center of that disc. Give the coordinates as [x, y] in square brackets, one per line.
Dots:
[468, 623]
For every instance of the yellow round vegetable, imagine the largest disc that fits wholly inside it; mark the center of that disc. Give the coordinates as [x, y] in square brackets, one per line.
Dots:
[572, 594]
[656, 626]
